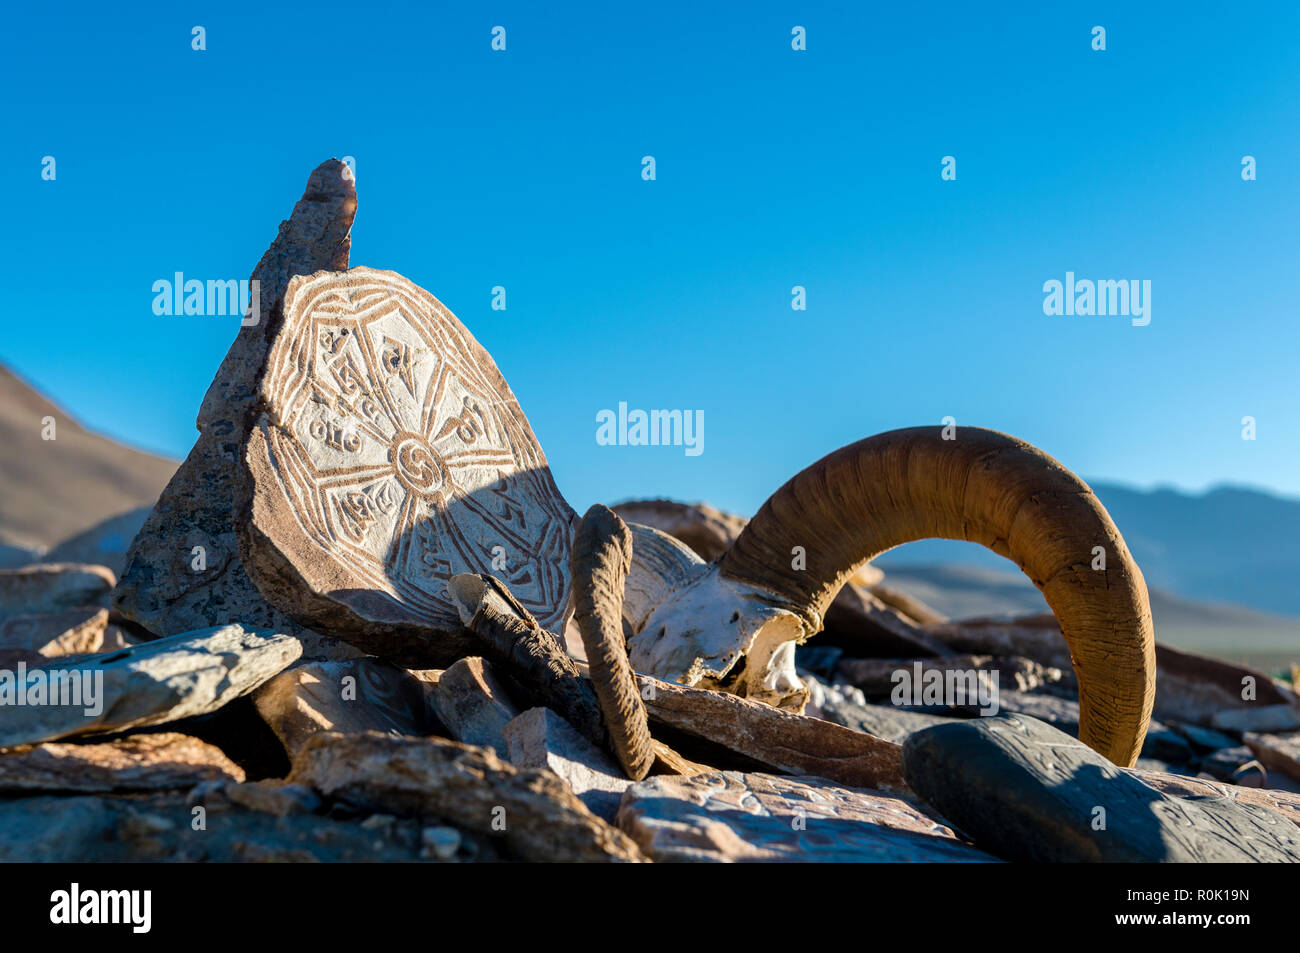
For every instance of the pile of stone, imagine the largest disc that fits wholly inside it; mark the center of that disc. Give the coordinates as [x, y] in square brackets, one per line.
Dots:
[362, 623]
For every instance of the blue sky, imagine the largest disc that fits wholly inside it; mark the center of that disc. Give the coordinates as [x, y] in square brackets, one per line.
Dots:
[774, 168]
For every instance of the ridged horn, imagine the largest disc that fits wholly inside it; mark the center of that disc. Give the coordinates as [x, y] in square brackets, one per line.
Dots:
[599, 563]
[984, 487]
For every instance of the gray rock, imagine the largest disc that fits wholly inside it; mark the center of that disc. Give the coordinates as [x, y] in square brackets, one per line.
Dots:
[1260, 718]
[845, 705]
[1204, 739]
[1222, 763]
[160, 588]
[539, 738]
[161, 828]
[473, 706]
[1023, 790]
[52, 587]
[733, 817]
[148, 684]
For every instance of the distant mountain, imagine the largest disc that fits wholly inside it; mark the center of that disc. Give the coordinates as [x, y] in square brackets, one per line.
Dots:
[1229, 631]
[1228, 545]
[53, 489]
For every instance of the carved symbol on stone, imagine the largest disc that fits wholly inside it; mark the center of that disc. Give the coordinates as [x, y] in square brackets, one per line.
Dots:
[397, 360]
[433, 464]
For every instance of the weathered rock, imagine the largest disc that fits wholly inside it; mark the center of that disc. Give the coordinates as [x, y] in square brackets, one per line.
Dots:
[272, 796]
[530, 814]
[705, 529]
[1284, 803]
[1223, 763]
[1025, 791]
[1196, 688]
[142, 762]
[734, 817]
[1204, 739]
[1260, 718]
[160, 828]
[104, 544]
[148, 684]
[473, 706]
[876, 677]
[1035, 637]
[777, 739]
[161, 589]
[862, 622]
[907, 605]
[52, 634]
[52, 587]
[355, 695]
[387, 454]
[1277, 752]
[845, 705]
[539, 738]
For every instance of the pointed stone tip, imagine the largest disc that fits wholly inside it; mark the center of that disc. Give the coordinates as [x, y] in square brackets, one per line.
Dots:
[331, 180]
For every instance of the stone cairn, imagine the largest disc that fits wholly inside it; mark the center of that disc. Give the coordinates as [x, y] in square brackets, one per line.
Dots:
[404, 644]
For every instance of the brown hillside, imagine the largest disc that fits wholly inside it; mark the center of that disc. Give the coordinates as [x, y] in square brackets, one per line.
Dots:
[51, 489]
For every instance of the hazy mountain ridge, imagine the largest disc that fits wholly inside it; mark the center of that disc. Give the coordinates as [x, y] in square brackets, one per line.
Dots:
[1230, 631]
[53, 489]
[1229, 545]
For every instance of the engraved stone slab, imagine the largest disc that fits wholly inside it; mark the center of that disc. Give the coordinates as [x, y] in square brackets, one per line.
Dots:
[1025, 791]
[730, 817]
[388, 454]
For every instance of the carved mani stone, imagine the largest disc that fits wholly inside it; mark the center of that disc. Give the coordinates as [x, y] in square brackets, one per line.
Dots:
[387, 455]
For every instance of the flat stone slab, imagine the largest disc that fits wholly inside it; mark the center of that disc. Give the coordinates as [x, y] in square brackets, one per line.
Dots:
[474, 706]
[349, 696]
[777, 739]
[1025, 791]
[53, 587]
[529, 814]
[539, 738]
[161, 588]
[387, 455]
[147, 684]
[143, 762]
[729, 816]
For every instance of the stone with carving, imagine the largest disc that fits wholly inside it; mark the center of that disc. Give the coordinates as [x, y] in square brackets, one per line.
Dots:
[731, 817]
[388, 454]
[1025, 791]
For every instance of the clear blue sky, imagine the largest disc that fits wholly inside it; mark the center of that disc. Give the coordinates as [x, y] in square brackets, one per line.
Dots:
[775, 168]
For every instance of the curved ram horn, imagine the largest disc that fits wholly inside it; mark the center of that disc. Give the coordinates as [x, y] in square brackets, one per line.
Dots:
[759, 599]
[599, 564]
